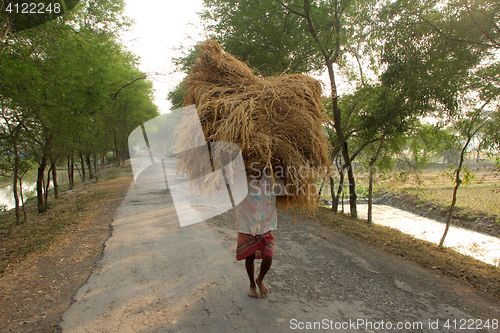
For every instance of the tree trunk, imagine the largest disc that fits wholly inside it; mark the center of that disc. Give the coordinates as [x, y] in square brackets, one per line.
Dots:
[370, 181]
[71, 173]
[4, 32]
[117, 154]
[126, 153]
[54, 180]
[352, 190]
[83, 167]
[345, 150]
[342, 201]
[72, 167]
[47, 188]
[320, 190]
[452, 208]
[16, 177]
[370, 192]
[458, 181]
[332, 192]
[78, 169]
[330, 56]
[339, 192]
[40, 184]
[89, 166]
[22, 198]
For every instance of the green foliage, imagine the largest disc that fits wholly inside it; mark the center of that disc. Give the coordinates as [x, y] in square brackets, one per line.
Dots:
[263, 34]
[176, 96]
[69, 87]
[22, 15]
[468, 176]
[427, 66]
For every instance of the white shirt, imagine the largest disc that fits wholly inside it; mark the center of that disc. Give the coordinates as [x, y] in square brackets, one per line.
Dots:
[256, 214]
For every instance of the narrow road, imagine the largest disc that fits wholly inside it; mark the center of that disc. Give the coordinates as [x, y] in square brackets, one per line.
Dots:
[158, 277]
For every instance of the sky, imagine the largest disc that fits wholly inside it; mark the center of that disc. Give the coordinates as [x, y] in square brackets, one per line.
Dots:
[160, 28]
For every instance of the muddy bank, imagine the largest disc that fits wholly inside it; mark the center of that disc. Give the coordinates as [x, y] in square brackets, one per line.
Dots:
[476, 221]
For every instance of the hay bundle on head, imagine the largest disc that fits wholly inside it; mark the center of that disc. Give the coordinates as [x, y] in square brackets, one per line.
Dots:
[276, 121]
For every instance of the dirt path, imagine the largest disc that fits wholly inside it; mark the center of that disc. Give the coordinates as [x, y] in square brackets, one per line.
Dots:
[157, 277]
[35, 291]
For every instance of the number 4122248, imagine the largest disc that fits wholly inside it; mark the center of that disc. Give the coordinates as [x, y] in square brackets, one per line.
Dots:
[33, 8]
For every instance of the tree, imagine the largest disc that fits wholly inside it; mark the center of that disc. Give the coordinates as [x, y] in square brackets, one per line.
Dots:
[16, 16]
[379, 119]
[63, 82]
[440, 59]
[426, 48]
[13, 137]
[298, 36]
[467, 124]
[264, 34]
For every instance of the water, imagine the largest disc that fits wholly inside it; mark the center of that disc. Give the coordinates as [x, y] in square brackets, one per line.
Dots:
[29, 189]
[479, 246]
[7, 194]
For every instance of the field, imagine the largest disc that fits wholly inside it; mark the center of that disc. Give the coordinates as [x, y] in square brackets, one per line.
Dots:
[480, 194]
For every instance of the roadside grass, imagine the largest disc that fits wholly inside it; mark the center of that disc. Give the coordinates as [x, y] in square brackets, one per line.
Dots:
[86, 201]
[442, 261]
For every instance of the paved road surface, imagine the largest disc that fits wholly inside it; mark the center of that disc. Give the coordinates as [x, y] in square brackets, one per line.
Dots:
[158, 277]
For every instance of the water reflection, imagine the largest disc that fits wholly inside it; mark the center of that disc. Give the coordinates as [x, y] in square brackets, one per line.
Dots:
[7, 194]
[29, 189]
[479, 246]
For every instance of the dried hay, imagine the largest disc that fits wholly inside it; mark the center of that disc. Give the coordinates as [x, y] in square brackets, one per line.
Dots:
[276, 121]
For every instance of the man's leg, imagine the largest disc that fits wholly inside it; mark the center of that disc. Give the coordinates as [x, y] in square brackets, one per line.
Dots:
[264, 268]
[250, 271]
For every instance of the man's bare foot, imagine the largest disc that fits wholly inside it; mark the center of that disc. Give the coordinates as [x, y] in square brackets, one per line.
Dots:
[263, 290]
[253, 292]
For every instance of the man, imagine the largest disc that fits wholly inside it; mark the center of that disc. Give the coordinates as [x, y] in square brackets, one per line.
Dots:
[256, 217]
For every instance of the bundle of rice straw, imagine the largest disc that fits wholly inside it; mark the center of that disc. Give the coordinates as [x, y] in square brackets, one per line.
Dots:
[276, 121]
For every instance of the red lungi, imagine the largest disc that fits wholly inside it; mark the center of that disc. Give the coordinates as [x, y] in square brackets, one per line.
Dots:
[250, 244]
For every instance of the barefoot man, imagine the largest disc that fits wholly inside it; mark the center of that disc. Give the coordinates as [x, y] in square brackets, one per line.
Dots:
[256, 217]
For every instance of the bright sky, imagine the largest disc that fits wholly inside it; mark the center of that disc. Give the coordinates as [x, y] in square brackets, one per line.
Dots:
[160, 28]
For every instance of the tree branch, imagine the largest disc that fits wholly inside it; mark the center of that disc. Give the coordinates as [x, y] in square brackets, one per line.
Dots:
[453, 39]
[116, 95]
[314, 33]
[363, 146]
[356, 55]
[290, 9]
[348, 118]
[495, 43]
